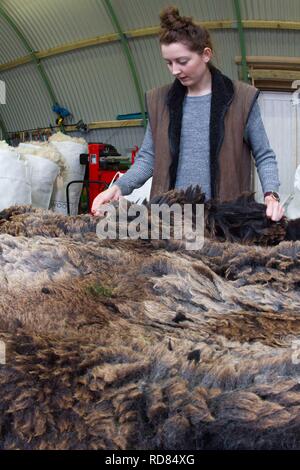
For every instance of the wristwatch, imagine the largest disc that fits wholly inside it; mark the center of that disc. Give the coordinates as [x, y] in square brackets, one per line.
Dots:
[273, 195]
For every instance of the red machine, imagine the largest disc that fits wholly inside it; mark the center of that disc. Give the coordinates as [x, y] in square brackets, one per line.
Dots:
[103, 162]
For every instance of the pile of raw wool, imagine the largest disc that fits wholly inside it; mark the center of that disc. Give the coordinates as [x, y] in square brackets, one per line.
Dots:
[144, 345]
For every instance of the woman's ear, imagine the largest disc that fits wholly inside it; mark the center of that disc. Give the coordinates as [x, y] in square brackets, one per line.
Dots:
[207, 54]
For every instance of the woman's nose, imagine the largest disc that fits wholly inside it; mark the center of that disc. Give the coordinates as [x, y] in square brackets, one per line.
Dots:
[175, 70]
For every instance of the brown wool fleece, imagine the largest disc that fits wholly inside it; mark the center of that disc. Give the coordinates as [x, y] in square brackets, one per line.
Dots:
[145, 345]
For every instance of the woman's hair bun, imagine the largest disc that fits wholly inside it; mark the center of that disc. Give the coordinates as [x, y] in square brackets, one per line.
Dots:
[176, 28]
[170, 19]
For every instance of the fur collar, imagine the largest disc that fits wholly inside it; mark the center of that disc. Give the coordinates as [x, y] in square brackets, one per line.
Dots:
[222, 96]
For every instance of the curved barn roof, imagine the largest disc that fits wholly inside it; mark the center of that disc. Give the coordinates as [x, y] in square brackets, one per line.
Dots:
[71, 52]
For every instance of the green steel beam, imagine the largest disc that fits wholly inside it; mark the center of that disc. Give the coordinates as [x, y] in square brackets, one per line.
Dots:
[28, 47]
[130, 59]
[237, 9]
[3, 129]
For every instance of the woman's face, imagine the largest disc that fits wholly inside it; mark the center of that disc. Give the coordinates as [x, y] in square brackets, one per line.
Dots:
[186, 65]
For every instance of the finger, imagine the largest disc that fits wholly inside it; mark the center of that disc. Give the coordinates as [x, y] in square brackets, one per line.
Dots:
[98, 213]
[281, 213]
[277, 213]
[269, 210]
[98, 201]
[95, 207]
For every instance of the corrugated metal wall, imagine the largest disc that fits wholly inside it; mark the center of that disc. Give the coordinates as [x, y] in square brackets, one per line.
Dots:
[95, 83]
[123, 138]
[54, 22]
[281, 43]
[100, 88]
[142, 13]
[10, 48]
[27, 104]
[288, 10]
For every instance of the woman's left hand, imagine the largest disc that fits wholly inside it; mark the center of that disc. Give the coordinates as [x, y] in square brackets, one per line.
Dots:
[274, 210]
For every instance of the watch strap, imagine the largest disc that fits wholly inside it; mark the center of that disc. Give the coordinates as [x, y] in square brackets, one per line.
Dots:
[273, 194]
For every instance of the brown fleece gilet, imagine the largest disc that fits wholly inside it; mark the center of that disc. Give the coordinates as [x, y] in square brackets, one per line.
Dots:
[232, 155]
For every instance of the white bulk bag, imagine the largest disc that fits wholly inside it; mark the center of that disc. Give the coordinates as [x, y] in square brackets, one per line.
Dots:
[42, 175]
[45, 163]
[4, 145]
[70, 148]
[15, 187]
[292, 211]
[45, 150]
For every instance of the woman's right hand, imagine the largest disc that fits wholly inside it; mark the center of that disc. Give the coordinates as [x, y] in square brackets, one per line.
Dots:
[111, 194]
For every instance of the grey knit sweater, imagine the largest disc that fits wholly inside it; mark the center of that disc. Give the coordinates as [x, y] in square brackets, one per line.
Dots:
[193, 166]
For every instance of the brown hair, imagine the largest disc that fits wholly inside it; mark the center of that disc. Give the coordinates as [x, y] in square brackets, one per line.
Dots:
[176, 28]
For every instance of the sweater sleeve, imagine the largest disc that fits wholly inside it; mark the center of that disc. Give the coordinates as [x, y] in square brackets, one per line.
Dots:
[265, 159]
[142, 169]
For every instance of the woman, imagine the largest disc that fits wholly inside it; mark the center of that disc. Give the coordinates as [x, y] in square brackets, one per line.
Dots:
[201, 128]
